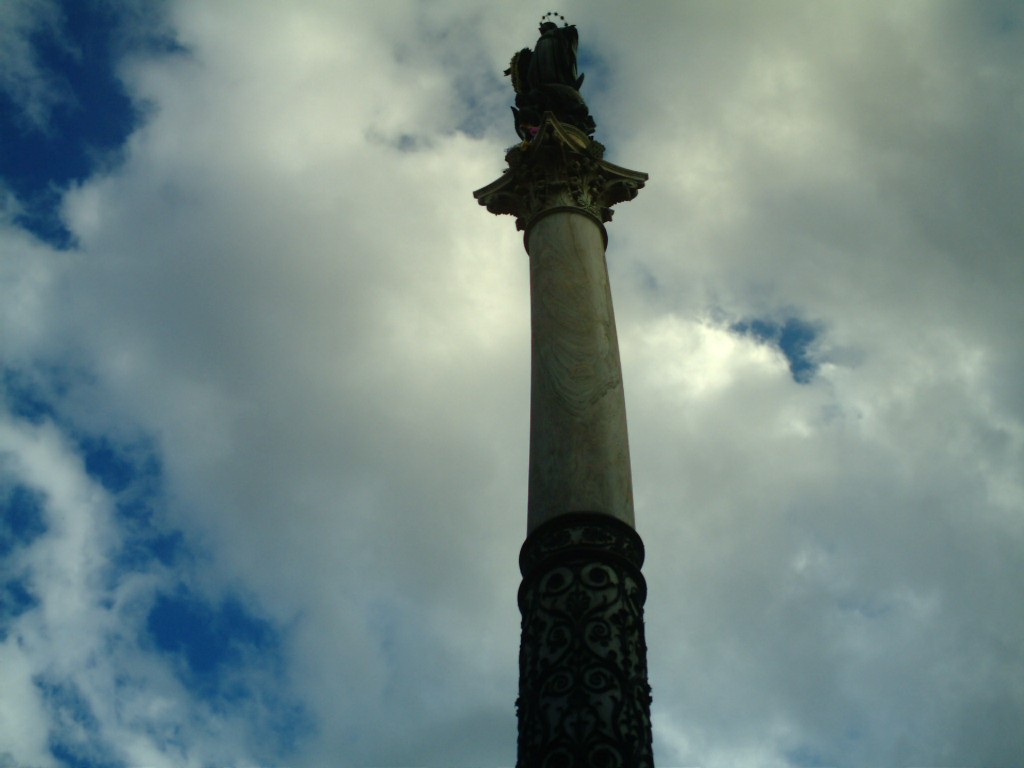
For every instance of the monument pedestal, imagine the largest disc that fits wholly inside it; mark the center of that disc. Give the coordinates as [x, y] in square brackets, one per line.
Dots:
[583, 693]
[584, 699]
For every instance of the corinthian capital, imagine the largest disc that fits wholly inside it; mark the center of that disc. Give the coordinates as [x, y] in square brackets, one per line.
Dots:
[559, 168]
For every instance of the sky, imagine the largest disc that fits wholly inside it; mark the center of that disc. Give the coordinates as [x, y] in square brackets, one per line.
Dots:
[264, 379]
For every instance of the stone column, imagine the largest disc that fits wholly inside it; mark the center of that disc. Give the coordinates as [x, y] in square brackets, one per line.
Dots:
[583, 693]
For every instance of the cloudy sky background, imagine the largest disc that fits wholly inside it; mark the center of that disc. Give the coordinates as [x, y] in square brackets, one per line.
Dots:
[265, 386]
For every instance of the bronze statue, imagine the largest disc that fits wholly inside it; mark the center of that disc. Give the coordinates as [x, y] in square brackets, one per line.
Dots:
[545, 80]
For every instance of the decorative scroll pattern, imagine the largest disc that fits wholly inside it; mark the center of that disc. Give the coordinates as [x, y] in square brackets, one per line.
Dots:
[584, 701]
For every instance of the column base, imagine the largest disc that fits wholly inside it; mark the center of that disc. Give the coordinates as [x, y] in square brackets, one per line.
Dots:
[584, 700]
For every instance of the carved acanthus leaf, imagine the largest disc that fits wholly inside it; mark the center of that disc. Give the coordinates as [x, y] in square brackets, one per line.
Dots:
[559, 168]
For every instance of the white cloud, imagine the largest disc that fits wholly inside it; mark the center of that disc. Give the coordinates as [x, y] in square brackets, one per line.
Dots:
[288, 286]
[81, 675]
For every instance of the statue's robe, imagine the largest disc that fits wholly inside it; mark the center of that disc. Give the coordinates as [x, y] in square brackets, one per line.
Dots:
[554, 58]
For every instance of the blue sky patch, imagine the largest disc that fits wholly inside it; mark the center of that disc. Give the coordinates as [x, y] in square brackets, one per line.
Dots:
[135, 475]
[89, 121]
[138, 552]
[69, 757]
[230, 657]
[106, 464]
[130, 471]
[22, 520]
[210, 638]
[15, 599]
[74, 741]
[792, 336]
[23, 398]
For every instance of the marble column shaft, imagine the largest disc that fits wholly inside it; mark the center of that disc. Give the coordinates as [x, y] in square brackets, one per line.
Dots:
[561, 191]
[583, 695]
[579, 449]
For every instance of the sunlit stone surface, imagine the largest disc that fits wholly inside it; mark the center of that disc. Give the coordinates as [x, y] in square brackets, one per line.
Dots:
[579, 450]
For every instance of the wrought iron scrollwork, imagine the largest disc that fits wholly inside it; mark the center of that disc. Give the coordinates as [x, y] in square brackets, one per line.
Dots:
[584, 700]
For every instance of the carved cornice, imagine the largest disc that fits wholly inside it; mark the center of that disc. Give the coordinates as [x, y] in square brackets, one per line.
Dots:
[559, 169]
[596, 534]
